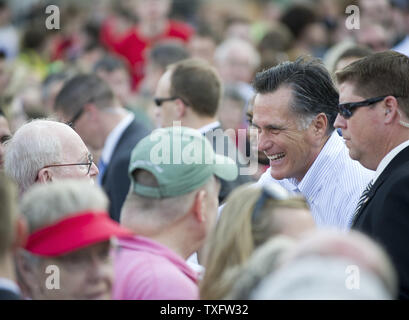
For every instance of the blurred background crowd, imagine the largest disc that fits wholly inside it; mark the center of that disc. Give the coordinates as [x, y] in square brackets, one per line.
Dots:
[129, 44]
[239, 37]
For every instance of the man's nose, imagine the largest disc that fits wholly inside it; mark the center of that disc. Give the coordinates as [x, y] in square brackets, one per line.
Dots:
[340, 122]
[94, 170]
[264, 142]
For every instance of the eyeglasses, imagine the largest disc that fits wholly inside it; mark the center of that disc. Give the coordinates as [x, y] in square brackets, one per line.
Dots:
[159, 101]
[79, 113]
[271, 191]
[347, 109]
[89, 164]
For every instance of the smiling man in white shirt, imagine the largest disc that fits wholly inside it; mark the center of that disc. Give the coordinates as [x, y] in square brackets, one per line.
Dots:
[294, 110]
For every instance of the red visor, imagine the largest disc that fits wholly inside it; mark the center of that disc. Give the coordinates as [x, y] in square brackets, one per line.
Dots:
[74, 232]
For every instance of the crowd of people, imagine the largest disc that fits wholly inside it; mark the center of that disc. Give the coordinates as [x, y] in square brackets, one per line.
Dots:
[204, 149]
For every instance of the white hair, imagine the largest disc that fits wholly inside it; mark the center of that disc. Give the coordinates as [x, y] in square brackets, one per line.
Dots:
[320, 278]
[222, 52]
[44, 204]
[32, 147]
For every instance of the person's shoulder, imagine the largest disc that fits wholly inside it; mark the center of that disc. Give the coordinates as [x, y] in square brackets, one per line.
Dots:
[150, 276]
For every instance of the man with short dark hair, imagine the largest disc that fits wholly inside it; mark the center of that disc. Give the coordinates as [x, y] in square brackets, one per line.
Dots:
[189, 94]
[294, 110]
[373, 117]
[88, 105]
[171, 207]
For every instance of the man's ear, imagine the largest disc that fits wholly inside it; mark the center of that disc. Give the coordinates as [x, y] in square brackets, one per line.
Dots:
[181, 109]
[91, 111]
[320, 125]
[391, 109]
[27, 275]
[199, 206]
[20, 233]
[44, 175]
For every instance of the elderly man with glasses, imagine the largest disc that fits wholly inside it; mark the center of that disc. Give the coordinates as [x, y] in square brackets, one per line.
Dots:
[374, 119]
[44, 151]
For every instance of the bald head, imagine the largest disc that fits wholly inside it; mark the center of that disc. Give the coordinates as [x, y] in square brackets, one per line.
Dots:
[41, 143]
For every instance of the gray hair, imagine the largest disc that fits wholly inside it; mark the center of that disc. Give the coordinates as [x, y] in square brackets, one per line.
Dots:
[320, 278]
[313, 89]
[223, 50]
[32, 147]
[44, 204]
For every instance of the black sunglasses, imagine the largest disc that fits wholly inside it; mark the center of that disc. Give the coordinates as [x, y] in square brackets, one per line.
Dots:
[271, 191]
[347, 109]
[76, 116]
[159, 101]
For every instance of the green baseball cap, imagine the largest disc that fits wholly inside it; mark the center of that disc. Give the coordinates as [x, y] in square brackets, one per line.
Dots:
[181, 159]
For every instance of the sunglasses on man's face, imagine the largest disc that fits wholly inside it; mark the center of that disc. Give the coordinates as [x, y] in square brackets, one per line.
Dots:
[347, 109]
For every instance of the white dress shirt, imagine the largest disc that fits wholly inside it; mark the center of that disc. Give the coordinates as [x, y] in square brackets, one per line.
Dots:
[113, 138]
[388, 158]
[332, 186]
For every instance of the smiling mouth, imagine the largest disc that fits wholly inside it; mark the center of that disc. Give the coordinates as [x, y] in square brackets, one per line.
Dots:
[276, 156]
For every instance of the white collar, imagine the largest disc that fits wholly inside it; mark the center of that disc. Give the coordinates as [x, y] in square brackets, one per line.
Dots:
[388, 158]
[9, 285]
[114, 136]
[311, 183]
[209, 127]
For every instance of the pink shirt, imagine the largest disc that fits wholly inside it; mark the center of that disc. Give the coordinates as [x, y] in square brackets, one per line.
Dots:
[147, 270]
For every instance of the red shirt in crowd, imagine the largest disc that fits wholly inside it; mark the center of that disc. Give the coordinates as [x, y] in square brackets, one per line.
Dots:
[133, 47]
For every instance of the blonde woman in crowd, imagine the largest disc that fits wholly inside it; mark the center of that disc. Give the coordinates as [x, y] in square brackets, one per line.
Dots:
[251, 216]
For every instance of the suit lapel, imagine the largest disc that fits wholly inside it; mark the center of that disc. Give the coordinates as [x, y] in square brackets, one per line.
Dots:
[400, 159]
[123, 137]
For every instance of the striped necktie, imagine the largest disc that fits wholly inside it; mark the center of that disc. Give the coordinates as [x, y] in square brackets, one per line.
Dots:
[362, 200]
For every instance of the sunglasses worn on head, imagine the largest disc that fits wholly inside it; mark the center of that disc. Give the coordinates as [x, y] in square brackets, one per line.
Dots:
[272, 191]
[347, 109]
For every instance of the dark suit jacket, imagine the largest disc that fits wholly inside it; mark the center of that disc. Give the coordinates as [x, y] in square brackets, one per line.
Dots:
[115, 180]
[385, 216]
[224, 143]
[8, 295]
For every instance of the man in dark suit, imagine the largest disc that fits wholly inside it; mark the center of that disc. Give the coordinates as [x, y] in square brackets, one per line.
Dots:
[374, 119]
[12, 233]
[188, 94]
[88, 105]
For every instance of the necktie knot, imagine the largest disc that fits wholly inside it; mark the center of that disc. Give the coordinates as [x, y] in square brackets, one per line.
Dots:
[362, 200]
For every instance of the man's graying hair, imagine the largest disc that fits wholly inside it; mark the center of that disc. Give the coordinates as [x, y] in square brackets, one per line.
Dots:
[311, 84]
